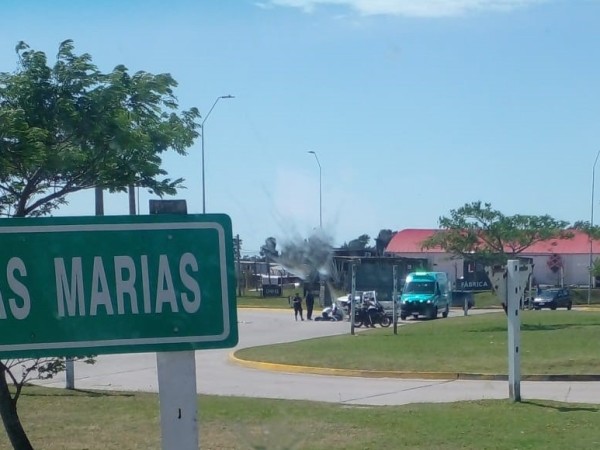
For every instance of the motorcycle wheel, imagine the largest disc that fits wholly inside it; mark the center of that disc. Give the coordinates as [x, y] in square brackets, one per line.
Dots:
[385, 321]
[358, 323]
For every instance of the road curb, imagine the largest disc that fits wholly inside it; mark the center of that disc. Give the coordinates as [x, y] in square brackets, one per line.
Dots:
[362, 373]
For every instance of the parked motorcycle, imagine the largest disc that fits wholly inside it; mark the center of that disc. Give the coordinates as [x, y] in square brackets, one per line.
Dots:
[371, 314]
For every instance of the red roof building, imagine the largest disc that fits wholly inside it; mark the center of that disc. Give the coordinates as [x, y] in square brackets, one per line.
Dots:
[574, 256]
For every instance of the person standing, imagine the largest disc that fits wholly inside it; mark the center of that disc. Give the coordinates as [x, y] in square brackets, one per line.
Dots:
[310, 303]
[297, 303]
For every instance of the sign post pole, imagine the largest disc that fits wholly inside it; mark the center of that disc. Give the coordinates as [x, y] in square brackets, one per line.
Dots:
[177, 392]
[178, 400]
[70, 373]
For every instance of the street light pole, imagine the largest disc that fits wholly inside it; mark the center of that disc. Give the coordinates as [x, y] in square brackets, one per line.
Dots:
[320, 191]
[591, 229]
[202, 141]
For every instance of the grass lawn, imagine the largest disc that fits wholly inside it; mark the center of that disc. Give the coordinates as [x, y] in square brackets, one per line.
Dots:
[254, 299]
[552, 342]
[72, 420]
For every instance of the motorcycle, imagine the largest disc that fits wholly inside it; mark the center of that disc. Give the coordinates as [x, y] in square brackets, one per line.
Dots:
[331, 314]
[370, 314]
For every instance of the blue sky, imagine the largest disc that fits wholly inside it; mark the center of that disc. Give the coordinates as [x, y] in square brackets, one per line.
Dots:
[414, 107]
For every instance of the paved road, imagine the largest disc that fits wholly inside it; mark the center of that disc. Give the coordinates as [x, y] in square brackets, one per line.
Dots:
[218, 375]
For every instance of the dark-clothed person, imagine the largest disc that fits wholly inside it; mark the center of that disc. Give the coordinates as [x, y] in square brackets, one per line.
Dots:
[310, 303]
[297, 303]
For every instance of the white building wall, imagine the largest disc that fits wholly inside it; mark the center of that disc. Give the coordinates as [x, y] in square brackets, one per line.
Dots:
[575, 267]
[574, 271]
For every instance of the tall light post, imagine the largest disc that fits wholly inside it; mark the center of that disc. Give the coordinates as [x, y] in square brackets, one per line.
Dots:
[591, 228]
[320, 191]
[202, 131]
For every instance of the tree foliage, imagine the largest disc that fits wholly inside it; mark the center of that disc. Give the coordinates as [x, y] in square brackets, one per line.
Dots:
[477, 232]
[382, 240]
[70, 127]
[360, 243]
[593, 231]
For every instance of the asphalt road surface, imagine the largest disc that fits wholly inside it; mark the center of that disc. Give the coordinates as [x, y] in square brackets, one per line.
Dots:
[218, 375]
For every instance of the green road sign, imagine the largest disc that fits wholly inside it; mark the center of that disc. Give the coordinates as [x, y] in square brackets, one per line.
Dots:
[90, 285]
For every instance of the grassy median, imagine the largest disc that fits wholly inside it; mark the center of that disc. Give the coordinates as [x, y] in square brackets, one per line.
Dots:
[552, 342]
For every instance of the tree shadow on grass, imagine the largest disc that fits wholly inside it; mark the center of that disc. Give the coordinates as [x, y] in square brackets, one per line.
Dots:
[74, 393]
[561, 408]
[537, 327]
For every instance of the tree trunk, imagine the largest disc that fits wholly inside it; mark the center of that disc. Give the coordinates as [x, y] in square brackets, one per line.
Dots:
[99, 201]
[10, 418]
[131, 194]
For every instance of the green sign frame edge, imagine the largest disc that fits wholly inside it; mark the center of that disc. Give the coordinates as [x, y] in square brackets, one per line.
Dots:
[229, 336]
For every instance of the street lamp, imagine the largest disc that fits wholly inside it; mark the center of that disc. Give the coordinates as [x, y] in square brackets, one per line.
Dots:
[202, 131]
[320, 191]
[591, 228]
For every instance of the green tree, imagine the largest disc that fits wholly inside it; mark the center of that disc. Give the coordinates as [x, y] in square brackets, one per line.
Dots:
[382, 240]
[360, 243]
[69, 127]
[593, 231]
[479, 233]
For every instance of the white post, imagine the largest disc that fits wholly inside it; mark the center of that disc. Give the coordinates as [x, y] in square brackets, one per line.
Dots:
[514, 332]
[178, 400]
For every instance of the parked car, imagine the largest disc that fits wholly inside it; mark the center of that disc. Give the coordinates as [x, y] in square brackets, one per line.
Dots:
[553, 298]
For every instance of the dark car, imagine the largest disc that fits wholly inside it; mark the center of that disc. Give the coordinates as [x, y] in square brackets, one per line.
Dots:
[553, 298]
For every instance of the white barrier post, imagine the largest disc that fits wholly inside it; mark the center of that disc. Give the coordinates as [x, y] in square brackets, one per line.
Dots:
[513, 309]
[518, 275]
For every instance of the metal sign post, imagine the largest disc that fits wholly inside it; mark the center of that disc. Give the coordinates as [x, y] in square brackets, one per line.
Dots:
[176, 371]
[178, 400]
